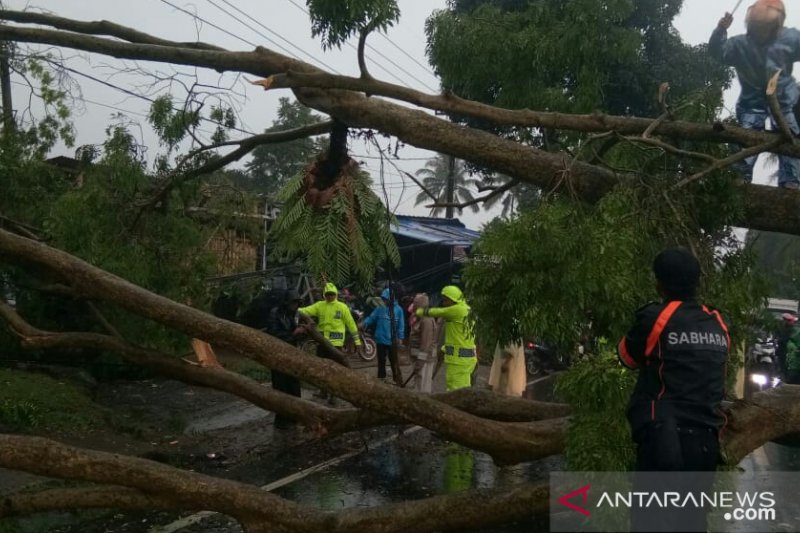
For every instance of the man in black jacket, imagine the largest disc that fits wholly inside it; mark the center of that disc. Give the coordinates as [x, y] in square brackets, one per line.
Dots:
[281, 323]
[680, 348]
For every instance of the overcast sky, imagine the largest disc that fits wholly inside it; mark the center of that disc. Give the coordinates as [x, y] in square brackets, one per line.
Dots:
[283, 25]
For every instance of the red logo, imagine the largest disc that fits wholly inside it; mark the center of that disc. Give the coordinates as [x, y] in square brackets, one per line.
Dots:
[564, 500]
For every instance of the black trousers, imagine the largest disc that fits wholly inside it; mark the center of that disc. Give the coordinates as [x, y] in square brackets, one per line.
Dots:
[289, 385]
[666, 447]
[384, 352]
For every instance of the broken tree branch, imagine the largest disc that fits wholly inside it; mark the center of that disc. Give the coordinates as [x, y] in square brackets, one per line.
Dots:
[418, 128]
[245, 146]
[775, 108]
[102, 27]
[728, 161]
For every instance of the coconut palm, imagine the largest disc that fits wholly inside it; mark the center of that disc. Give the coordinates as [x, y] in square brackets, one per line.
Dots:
[521, 196]
[434, 177]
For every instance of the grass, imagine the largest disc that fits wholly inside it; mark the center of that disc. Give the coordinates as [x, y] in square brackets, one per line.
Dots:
[29, 400]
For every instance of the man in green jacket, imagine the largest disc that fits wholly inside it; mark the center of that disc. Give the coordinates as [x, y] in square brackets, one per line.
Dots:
[460, 356]
[333, 319]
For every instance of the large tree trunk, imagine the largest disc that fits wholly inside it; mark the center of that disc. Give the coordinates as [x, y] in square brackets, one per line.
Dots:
[766, 208]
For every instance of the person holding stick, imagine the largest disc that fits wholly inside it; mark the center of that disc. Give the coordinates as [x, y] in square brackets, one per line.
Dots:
[766, 49]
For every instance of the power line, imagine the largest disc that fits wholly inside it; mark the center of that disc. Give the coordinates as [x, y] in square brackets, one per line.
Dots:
[405, 53]
[115, 108]
[400, 68]
[246, 25]
[140, 96]
[201, 19]
[290, 43]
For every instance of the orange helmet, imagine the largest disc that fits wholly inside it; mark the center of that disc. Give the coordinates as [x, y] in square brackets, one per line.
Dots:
[766, 11]
[764, 20]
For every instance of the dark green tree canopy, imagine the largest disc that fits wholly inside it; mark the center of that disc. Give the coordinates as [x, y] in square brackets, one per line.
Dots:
[568, 55]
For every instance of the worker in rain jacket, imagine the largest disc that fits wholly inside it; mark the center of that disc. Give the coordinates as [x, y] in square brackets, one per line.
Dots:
[765, 49]
[460, 356]
[380, 321]
[333, 319]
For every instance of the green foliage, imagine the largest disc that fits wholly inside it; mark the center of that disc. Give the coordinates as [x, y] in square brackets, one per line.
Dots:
[345, 241]
[599, 437]
[273, 165]
[172, 124]
[570, 56]
[18, 414]
[338, 20]
[54, 125]
[26, 182]
[779, 259]
[30, 401]
[161, 251]
[593, 264]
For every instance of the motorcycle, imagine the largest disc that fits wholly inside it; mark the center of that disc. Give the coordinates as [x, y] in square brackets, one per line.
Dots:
[541, 359]
[762, 364]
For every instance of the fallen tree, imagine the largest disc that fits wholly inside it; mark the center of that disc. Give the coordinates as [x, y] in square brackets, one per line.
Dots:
[529, 431]
[510, 430]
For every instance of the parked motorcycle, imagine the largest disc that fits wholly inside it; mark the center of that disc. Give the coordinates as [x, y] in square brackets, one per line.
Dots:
[541, 359]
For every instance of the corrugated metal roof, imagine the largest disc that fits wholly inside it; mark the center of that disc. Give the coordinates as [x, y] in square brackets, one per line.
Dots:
[448, 232]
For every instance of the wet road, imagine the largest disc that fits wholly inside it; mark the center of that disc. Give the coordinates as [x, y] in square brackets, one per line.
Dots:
[394, 467]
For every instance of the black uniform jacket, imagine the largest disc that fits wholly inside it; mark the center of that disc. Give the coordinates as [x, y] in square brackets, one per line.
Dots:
[681, 351]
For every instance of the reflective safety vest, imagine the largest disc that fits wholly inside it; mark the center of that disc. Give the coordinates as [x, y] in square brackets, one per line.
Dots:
[459, 340]
[334, 320]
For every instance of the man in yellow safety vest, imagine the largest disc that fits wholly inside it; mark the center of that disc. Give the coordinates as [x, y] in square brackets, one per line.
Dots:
[460, 356]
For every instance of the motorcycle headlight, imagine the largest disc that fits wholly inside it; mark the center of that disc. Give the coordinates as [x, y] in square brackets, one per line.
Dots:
[759, 379]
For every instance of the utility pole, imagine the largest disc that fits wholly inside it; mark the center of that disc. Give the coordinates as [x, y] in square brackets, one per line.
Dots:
[451, 187]
[5, 88]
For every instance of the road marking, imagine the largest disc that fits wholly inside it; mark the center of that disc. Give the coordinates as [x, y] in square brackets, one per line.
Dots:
[537, 380]
[199, 517]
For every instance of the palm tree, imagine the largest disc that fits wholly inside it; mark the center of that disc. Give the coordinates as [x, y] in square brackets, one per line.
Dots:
[521, 196]
[435, 176]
